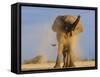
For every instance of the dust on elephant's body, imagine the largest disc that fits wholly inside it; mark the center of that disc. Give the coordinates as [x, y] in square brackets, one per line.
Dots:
[66, 28]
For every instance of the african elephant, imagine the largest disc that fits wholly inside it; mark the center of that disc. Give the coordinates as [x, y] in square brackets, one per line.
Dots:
[66, 27]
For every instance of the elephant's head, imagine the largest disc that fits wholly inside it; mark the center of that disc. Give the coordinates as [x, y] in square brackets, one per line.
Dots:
[68, 24]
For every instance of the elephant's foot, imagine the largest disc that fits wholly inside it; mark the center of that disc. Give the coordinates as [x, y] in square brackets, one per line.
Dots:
[57, 66]
[63, 66]
[66, 66]
[70, 65]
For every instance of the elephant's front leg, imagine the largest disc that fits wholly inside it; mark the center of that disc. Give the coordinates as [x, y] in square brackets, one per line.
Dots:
[69, 58]
[59, 56]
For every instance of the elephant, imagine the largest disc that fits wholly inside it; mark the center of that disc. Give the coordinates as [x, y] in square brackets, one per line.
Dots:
[66, 27]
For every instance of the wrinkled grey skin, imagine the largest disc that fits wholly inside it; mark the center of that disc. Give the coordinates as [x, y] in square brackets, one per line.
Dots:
[66, 27]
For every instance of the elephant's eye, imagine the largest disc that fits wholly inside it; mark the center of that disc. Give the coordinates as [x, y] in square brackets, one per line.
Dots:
[66, 28]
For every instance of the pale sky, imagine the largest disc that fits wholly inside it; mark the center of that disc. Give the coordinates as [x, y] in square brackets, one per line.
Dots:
[37, 35]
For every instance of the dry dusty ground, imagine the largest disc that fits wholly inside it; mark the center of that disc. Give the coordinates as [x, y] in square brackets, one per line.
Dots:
[50, 65]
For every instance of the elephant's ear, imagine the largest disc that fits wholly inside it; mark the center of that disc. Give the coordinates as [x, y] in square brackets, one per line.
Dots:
[78, 28]
[76, 24]
[54, 26]
[58, 24]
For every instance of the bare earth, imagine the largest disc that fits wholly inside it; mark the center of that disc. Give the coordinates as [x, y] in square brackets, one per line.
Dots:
[25, 67]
